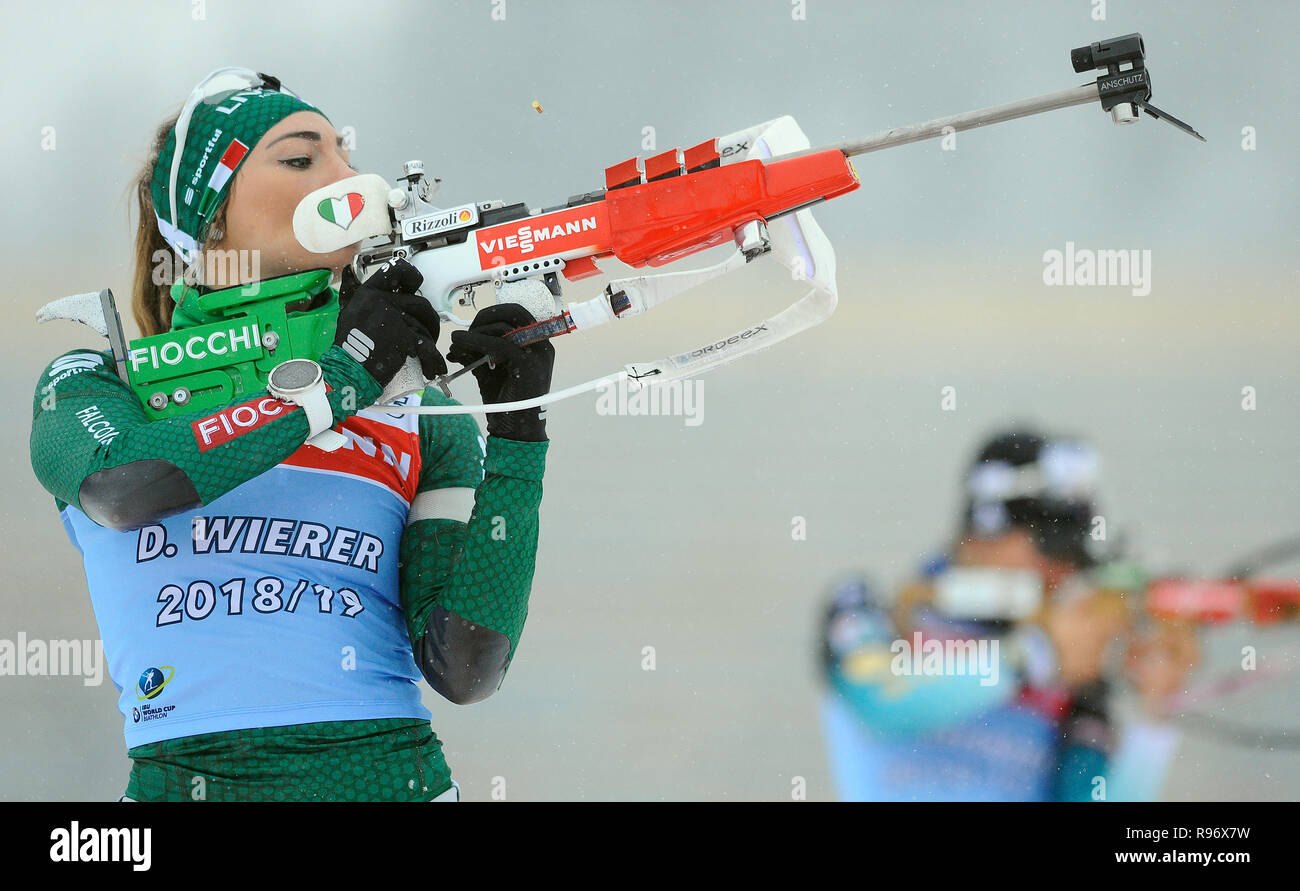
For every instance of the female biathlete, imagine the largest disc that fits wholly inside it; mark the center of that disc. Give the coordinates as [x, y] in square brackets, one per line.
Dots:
[267, 606]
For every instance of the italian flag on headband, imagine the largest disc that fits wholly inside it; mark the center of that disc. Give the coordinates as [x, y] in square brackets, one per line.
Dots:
[221, 174]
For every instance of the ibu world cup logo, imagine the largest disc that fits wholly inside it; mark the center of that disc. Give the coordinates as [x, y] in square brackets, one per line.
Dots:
[152, 681]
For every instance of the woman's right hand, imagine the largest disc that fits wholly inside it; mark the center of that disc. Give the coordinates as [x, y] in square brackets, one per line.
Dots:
[382, 322]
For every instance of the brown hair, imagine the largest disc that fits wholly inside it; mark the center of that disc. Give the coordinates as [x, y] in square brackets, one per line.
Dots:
[151, 302]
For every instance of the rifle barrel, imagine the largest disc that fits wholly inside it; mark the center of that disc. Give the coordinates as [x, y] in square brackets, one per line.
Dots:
[964, 121]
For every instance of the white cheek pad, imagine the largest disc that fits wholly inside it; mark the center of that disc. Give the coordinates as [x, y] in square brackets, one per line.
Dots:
[986, 593]
[343, 213]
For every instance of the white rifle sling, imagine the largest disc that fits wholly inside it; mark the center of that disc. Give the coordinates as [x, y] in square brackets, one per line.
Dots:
[798, 244]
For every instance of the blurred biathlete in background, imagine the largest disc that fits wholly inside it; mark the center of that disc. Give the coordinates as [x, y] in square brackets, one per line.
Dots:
[987, 678]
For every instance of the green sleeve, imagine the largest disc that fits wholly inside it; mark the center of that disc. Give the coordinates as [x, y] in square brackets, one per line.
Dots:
[86, 419]
[480, 570]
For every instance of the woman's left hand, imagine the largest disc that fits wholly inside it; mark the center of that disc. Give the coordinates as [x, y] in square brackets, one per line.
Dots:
[519, 373]
[1158, 662]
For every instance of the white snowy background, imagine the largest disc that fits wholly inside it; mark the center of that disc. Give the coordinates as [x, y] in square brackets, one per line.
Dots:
[658, 534]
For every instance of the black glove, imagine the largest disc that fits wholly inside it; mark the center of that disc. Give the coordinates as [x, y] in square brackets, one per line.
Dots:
[382, 322]
[520, 372]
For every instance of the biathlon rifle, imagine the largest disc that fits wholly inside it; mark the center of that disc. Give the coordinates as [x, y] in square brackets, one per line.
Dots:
[753, 189]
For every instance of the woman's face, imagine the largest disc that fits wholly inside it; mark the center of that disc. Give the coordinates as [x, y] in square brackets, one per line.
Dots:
[297, 156]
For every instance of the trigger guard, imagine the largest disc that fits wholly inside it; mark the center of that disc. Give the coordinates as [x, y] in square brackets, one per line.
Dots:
[445, 306]
[454, 319]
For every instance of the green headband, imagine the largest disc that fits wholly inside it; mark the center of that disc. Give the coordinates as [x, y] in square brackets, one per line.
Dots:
[222, 129]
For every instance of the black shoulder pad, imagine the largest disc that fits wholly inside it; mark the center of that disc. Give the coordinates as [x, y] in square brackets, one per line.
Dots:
[136, 494]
